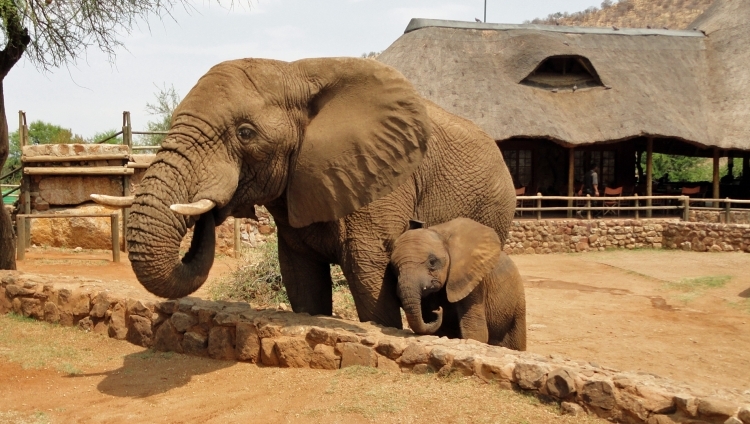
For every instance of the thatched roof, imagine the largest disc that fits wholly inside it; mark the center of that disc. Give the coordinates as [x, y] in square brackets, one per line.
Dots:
[654, 82]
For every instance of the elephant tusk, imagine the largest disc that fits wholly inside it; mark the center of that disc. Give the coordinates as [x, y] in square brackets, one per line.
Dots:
[196, 208]
[113, 201]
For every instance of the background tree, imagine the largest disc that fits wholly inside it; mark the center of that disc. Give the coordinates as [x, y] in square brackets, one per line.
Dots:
[167, 100]
[53, 33]
[40, 132]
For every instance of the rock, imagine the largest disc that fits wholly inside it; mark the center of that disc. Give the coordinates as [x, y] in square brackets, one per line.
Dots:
[423, 369]
[744, 415]
[324, 357]
[139, 308]
[570, 408]
[662, 419]
[86, 324]
[194, 343]
[248, 343]
[32, 308]
[139, 331]
[100, 305]
[715, 408]
[391, 348]
[599, 394]
[656, 401]
[293, 352]
[414, 353]
[733, 420]
[465, 364]
[529, 376]
[183, 322]
[84, 232]
[440, 357]
[387, 365]
[687, 404]
[560, 383]
[356, 354]
[221, 343]
[5, 304]
[117, 326]
[51, 313]
[75, 190]
[317, 335]
[166, 339]
[73, 306]
[101, 328]
[268, 355]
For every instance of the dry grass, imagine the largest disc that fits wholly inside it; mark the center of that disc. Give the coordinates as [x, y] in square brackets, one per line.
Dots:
[674, 14]
[258, 282]
[692, 288]
[353, 394]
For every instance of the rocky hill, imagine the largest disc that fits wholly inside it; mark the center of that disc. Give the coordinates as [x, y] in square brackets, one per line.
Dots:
[675, 14]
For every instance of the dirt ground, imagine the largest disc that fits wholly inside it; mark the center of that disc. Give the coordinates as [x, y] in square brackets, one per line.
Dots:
[681, 315]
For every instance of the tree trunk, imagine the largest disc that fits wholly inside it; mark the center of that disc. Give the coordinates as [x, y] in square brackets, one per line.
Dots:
[17, 39]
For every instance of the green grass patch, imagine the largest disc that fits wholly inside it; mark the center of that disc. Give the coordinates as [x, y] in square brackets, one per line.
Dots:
[692, 288]
[700, 283]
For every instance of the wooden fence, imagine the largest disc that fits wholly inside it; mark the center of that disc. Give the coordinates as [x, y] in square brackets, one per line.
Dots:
[615, 205]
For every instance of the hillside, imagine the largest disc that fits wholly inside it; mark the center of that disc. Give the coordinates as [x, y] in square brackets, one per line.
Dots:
[674, 14]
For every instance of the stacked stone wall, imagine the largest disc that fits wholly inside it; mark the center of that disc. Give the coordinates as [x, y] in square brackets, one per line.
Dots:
[716, 217]
[238, 332]
[575, 235]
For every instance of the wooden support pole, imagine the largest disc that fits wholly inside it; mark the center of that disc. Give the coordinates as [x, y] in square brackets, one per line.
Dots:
[125, 213]
[649, 173]
[115, 222]
[588, 207]
[127, 131]
[21, 128]
[237, 238]
[686, 208]
[78, 170]
[26, 192]
[539, 207]
[20, 239]
[571, 179]
[637, 212]
[716, 176]
[727, 211]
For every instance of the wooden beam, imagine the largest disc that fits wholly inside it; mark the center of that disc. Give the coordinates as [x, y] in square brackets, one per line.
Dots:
[82, 158]
[571, 178]
[79, 170]
[716, 174]
[649, 172]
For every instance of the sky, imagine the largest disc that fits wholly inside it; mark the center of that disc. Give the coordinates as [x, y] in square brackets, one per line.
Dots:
[89, 96]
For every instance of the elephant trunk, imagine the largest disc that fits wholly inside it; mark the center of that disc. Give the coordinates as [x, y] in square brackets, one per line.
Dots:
[155, 232]
[413, 308]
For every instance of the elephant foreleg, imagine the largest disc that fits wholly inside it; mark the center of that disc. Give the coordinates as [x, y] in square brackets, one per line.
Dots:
[308, 282]
[472, 316]
[373, 287]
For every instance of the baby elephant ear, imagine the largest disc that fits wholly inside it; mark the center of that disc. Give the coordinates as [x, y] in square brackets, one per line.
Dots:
[367, 133]
[474, 251]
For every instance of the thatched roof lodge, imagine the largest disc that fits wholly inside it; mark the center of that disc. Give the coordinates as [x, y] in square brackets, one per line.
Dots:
[556, 96]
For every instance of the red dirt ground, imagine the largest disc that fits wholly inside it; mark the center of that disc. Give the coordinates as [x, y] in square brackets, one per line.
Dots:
[631, 310]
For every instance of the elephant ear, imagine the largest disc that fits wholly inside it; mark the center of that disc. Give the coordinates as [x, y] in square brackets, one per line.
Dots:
[474, 251]
[367, 133]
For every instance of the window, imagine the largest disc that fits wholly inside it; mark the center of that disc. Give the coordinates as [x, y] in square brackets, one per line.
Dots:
[563, 73]
[604, 158]
[519, 164]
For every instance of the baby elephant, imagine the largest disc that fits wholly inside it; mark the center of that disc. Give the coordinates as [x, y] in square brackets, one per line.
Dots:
[458, 271]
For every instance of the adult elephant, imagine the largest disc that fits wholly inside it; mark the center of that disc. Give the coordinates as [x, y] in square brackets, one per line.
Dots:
[342, 152]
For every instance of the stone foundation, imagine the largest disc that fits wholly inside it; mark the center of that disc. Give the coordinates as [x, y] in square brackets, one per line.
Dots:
[735, 217]
[238, 332]
[576, 235]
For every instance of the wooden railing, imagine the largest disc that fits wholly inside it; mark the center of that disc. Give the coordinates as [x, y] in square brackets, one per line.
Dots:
[636, 203]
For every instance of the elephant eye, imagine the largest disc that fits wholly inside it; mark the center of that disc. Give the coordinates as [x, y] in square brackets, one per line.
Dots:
[246, 134]
[432, 262]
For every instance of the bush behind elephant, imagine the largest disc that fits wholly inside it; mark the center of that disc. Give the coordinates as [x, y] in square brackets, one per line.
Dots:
[343, 152]
[459, 268]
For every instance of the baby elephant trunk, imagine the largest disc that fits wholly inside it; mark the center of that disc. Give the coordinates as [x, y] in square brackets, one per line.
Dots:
[413, 309]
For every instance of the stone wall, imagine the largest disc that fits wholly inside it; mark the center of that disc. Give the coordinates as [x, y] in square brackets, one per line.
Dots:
[238, 332]
[735, 216]
[576, 235]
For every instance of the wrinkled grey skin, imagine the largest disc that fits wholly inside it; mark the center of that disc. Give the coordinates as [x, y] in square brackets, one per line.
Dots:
[454, 170]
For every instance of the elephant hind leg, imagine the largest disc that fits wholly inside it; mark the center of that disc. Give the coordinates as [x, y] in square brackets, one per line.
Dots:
[515, 338]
